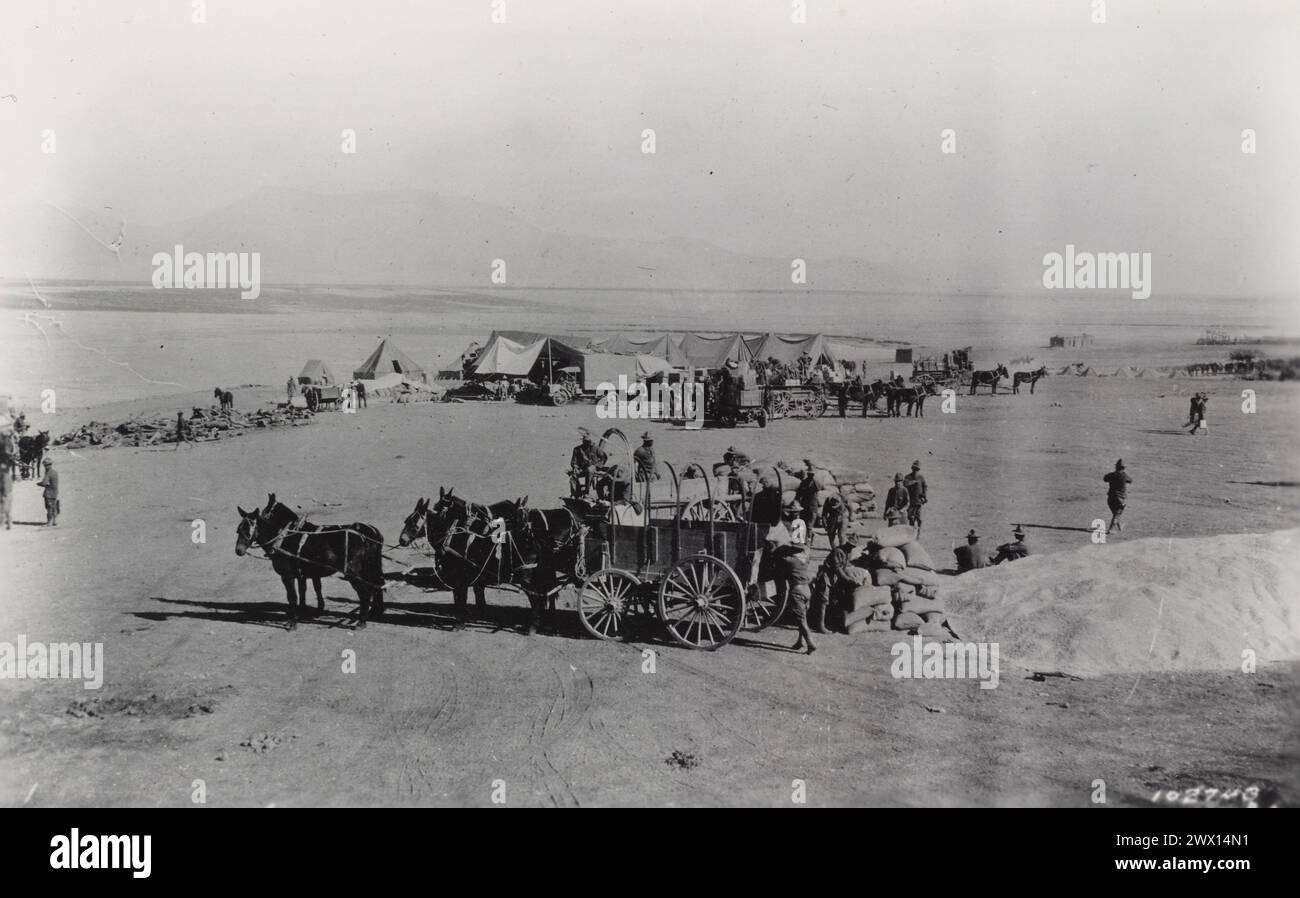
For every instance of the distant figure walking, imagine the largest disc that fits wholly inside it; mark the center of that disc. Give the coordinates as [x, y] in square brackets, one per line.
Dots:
[918, 494]
[361, 394]
[49, 484]
[226, 398]
[1197, 418]
[290, 389]
[1117, 494]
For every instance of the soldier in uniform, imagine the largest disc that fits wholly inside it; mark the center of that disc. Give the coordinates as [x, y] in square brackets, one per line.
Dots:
[918, 495]
[837, 574]
[49, 485]
[1117, 482]
[587, 459]
[1014, 550]
[898, 499]
[806, 493]
[833, 520]
[647, 468]
[792, 569]
[842, 398]
[969, 556]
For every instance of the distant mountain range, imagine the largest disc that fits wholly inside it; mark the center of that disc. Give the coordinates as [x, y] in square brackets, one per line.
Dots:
[404, 238]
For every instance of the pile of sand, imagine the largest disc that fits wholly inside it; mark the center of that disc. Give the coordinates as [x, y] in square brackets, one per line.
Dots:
[1146, 604]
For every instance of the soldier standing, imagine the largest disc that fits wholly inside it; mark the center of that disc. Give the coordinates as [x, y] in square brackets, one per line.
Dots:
[918, 495]
[1117, 494]
[49, 484]
[647, 468]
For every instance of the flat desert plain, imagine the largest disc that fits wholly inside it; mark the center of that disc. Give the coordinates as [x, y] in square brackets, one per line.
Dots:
[202, 680]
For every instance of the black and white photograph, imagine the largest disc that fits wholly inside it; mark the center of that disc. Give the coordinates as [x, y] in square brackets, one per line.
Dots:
[590, 404]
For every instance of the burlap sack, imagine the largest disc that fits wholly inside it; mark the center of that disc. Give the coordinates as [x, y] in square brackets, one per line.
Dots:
[919, 605]
[908, 621]
[895, 536]
[866, 595]
[917, 556]
[919, 577]
[890, 557]
[883, 576]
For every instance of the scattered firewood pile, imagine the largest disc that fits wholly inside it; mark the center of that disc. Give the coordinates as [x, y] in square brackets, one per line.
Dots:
[201, 426]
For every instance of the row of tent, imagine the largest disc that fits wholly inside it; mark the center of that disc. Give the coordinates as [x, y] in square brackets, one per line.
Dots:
[528, 354]
[387, 359]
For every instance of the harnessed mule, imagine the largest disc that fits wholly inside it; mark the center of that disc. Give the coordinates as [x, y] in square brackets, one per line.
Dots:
[226, 397]
[520, 547]
[299, 549]
[417, 526]
[987, 378]
[1029, 377]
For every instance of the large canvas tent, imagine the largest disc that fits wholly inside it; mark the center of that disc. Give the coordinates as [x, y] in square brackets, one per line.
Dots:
[605, 367]
[537, 359]
[787, 348]
[714, 352]
[388, 359]
[661, 346]
[316, 372]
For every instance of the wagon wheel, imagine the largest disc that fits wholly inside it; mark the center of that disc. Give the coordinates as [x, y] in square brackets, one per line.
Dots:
[926, 382]
[702, 603]
[559, 397]
[762, 611]
[817, 405]
[605, 600]
[698, 510]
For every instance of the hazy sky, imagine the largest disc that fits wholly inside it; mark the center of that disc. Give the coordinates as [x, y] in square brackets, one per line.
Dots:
[775, 138]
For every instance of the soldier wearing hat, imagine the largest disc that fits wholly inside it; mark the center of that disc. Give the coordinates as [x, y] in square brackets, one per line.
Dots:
[833, 519]
[1013, 550]
[898, 499]
[1117, 482]
[792, 517]
[587, 459]
[49, 484]
[917, 495]
[806, 493]
[969, 556]
[647, 468]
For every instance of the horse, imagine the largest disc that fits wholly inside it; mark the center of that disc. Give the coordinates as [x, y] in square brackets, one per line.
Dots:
[226, 397]
[1029, 377]
[31, 452]
[299, 549]
[988, 378]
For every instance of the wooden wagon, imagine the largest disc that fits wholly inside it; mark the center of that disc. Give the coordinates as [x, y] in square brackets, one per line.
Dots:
[676, 561]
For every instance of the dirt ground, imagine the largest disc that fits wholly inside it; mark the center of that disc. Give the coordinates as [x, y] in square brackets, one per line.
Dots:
[202, 680]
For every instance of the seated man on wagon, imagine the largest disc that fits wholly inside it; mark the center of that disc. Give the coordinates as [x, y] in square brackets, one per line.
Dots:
[586, 462]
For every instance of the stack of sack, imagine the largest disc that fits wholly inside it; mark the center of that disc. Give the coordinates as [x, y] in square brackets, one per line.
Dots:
[852, 486]
[904, 590]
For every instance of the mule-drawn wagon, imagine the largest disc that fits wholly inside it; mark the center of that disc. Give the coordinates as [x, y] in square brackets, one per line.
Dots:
[761, 404]
[935, 374]
[691, 564]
